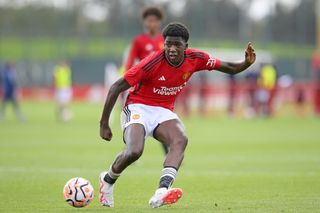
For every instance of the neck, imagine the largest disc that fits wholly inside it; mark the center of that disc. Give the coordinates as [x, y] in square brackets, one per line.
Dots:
[151, 32]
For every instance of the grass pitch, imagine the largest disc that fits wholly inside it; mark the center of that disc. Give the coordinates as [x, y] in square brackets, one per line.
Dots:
[234, 165]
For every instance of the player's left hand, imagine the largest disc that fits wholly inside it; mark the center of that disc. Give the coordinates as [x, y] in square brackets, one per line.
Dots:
[250, 54]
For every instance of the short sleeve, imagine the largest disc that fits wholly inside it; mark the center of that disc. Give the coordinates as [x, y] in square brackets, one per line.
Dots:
[134, 75]
[208, 63]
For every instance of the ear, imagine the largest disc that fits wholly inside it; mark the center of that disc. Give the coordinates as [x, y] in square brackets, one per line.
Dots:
[187, 45]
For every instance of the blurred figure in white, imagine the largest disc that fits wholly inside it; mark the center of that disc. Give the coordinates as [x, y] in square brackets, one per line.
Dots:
[111, 74]
[10, 91]
[63, 90]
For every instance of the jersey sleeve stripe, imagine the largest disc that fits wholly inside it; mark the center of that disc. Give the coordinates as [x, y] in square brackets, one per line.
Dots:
[147, 67]
[194, 57]
[198, 55]
[151, 61]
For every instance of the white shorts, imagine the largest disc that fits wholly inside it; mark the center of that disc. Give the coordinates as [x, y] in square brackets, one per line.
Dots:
[63, 96]
[149, 116]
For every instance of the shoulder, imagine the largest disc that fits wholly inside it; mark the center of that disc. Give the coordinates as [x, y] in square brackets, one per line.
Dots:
[195, 54]
[140, 37]
[152, 60]
[160, 37]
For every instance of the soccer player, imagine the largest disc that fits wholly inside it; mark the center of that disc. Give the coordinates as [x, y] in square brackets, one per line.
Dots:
[149, 41]
[156, 82]
[10, 91]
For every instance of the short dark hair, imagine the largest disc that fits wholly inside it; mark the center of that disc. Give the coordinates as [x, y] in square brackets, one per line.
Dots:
[152, 11]
[176, 29]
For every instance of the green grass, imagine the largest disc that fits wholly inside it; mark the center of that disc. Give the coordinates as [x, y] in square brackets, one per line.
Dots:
[50, 48]
[230, 165]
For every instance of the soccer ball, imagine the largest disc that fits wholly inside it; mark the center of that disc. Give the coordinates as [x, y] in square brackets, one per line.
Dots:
[78, 192]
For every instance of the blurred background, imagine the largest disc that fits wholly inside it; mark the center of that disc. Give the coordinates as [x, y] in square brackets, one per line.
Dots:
[94, 36]
[254, 137]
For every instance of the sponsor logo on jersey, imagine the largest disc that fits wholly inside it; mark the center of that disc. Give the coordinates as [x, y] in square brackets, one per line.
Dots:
[186, 75]
[211, 62]
[168, 90]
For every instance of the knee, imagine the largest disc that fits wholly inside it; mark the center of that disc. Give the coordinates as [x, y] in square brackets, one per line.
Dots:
[180, 143]
[134, 154]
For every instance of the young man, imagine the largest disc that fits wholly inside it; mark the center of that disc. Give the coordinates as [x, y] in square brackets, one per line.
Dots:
[156, 82]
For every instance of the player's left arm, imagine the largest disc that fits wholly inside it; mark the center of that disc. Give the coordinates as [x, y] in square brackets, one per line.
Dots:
[236, 67]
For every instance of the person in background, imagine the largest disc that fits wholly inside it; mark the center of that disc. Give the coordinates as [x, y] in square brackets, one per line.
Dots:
[150, 40]
[204, 91]
[300, 101]
[232, 92]
[63, 90]
[267, 89]
[251, 90]
[315, 76]
[10, 91]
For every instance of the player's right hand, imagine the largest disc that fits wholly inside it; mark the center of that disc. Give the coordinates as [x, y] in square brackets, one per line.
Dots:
[105, 132]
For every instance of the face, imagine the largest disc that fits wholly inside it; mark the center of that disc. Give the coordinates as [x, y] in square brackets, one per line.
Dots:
[152, 23]
[174, 49]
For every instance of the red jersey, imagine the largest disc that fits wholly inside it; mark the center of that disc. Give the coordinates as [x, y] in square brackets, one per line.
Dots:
[156, 82]
[142, 46]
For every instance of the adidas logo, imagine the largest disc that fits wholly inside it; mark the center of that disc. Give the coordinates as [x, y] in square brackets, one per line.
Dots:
[162, 78]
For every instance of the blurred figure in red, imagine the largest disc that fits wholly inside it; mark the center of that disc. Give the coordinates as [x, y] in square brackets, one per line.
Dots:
[150, 40]
[251, 90]
[232, 92]
[204, 91]
[315, 65]
[300, 101]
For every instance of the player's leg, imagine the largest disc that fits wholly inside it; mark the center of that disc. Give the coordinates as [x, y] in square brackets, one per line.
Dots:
[165, 148]
[171, 133]
[134, 137]
[2, 108]
[16, 108]
[5, 101]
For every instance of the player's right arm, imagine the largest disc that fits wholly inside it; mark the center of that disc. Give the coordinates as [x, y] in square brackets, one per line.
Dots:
[131, 77]
[115, 90]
